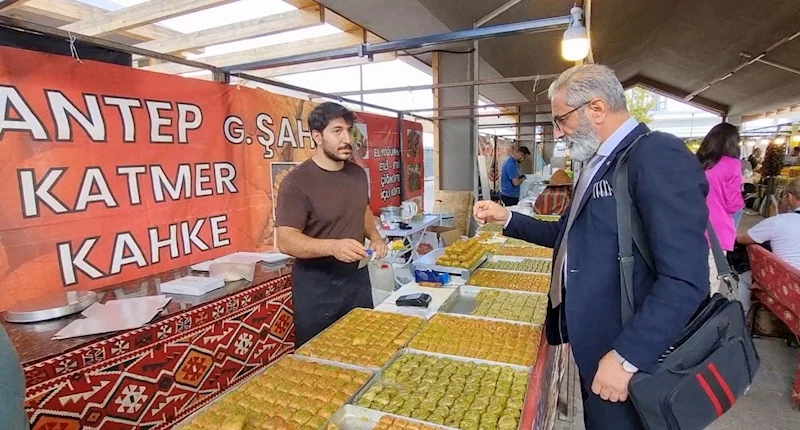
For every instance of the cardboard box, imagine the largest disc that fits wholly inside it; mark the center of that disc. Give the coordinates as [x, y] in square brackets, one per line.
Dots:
[436, 237]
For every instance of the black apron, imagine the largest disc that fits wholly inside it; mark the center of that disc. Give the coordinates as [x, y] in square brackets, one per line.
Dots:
[324, 290]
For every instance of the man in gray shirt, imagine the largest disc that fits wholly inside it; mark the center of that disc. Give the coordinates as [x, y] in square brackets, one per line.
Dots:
[12, 387]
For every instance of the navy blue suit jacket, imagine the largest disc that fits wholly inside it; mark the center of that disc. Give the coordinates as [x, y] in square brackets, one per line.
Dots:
[668, 186]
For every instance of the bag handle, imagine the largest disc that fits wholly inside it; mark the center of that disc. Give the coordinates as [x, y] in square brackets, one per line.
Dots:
[630, 232]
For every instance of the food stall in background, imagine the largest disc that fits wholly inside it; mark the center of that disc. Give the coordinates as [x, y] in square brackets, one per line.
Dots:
[474, 359]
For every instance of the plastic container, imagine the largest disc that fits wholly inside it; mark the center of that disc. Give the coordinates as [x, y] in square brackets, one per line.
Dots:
[446, 220]
[381, 276]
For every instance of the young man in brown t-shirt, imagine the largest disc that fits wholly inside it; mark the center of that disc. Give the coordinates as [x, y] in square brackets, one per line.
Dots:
[323, 217]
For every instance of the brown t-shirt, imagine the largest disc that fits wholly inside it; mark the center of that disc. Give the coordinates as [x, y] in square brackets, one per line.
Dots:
[324, 204]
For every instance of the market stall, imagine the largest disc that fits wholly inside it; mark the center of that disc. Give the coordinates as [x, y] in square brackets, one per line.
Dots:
[196, 349]
[475, 357]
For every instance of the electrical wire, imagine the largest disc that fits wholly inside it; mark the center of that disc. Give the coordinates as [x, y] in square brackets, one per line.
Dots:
[446, 51]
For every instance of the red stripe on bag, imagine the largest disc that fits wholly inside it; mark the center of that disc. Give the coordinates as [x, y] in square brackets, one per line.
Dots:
[714, 401]
[721, 381]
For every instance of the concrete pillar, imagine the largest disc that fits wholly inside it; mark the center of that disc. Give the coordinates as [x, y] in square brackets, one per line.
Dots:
[457, 137]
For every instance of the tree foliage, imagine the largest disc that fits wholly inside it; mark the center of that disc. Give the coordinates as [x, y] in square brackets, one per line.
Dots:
[640, 103]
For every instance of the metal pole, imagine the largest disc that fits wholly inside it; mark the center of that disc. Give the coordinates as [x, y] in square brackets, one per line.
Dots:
[497, 12]
[514, 124]
[400, 146]
[488, 115]
[367, 50]
[451, 85]
[745, 64]
[495, 105]
[780, 66]
[321, 94]
[19, 24]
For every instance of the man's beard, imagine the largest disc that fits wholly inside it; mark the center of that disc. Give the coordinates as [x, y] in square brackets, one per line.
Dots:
[583, 143]
[334, 156]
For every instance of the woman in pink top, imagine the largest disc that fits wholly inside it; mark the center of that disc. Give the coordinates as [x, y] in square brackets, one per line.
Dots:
[719, 155]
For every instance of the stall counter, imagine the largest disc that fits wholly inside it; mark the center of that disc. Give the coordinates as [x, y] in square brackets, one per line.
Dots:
[154, 376]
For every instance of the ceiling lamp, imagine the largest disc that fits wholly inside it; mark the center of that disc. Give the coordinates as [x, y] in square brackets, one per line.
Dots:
[575, 45]
[780, 140]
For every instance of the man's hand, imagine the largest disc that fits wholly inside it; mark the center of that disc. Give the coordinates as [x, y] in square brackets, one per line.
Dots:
[611, 381]
[348, 250]
[487, 212]
[379, 247]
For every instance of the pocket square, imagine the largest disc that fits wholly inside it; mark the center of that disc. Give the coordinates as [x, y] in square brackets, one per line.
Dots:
[602, 189]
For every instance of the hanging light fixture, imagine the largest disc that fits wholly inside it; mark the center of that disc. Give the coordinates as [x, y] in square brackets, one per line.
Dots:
[575, 45]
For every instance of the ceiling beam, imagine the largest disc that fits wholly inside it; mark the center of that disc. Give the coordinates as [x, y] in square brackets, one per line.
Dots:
[19, 24]
[139, 15]
[301, 4]
[322, 65]
[787, 110]
[74, 10]
[268, 52]
[338, 21]
[677, 94]
[264, 26]
[8, 3]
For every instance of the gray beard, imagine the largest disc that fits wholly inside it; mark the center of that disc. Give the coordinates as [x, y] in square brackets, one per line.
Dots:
[583, 144]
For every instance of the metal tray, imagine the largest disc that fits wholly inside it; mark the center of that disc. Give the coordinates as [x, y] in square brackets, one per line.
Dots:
[352, 417]
[462, 303]
[496, 258]
[299, 352]
[507, 290]
[378, 376]
[428, 262]
[357, 394]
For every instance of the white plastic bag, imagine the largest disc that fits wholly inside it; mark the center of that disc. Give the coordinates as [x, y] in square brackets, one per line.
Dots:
[231, 272]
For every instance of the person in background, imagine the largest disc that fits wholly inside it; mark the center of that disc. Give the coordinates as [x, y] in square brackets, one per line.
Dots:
[555, 198]
[755, 159]
[510, 178]
[782, 231]
[719, 154]
[12, 387]
[323, 217]
[793, 159]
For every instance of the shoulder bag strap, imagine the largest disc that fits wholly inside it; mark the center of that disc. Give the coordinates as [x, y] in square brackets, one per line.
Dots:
[627, 235]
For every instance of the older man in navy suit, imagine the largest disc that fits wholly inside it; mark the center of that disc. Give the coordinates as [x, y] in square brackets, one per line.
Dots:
[668, 187]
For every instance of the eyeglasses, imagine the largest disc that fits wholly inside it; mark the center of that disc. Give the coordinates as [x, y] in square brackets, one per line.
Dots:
[557, 121]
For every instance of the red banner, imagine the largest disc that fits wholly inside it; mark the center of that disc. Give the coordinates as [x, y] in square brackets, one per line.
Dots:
[113, 174]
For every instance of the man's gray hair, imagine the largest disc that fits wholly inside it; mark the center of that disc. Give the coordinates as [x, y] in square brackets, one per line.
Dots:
[585, 82]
